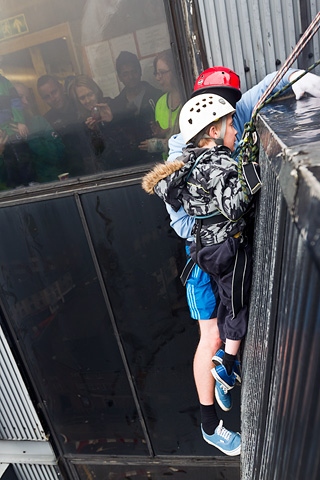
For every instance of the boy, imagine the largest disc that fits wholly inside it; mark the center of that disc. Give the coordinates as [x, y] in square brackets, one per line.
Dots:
[205, 182]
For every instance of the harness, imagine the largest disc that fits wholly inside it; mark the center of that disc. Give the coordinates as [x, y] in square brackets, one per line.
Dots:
[239, 267]
[205, 220]
[213, 218]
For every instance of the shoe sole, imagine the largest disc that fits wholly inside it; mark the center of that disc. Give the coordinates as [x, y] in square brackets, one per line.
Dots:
[221, 405]
[231, 453]
[218, 361]
[219, 379]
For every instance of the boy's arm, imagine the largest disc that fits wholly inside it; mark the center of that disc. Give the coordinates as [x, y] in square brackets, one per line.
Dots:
[247, 102]
[180, 221]
[176, 145]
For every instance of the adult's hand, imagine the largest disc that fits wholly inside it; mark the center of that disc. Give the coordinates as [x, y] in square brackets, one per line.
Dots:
[154, 145]
[309, 83]
[91, 123]
[105, 112]
[20, 128]
[23, 130]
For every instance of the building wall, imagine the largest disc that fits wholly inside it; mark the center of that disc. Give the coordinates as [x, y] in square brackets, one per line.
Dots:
[254, 37]
[280, 397]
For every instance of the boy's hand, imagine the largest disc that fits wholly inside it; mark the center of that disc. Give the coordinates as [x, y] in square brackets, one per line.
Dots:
[309, 83]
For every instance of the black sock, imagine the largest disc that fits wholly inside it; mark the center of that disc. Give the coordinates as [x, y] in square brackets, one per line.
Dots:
[228, 362]
[209, 418]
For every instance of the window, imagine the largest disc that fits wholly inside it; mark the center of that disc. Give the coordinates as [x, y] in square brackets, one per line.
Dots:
[83, 88]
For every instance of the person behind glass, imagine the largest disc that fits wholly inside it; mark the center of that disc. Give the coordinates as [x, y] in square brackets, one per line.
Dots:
[12, 120]
[62, 116]
[16, 161]
[44, 142]
[95, 114]
[167, 107]
[133, 109]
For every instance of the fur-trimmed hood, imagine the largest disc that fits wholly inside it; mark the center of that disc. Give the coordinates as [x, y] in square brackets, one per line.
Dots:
[168, 179]
[159, 172]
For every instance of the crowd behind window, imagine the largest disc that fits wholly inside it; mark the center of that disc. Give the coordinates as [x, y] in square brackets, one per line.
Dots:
[83, 131]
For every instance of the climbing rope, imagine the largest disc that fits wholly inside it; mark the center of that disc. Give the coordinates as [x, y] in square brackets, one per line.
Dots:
[248, 149]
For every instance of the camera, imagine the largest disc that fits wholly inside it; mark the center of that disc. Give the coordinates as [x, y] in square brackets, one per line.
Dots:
[95, 113]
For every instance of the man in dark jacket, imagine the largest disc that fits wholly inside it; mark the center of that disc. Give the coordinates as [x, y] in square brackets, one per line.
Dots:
[133, 109]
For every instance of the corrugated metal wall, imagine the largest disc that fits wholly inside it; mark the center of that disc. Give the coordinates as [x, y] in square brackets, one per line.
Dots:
[281, 368]
[254, 37]
[19, 420]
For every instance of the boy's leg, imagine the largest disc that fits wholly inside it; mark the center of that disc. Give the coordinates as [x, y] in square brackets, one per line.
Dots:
[231, 270]
[202, 301]
[209, 343]
[234, 291]
[202, 305]
[201, 297]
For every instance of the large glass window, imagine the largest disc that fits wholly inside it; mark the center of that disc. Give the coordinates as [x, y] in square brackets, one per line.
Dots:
[86, 86]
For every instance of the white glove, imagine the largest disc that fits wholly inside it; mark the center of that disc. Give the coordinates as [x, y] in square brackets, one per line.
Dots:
[309, 83]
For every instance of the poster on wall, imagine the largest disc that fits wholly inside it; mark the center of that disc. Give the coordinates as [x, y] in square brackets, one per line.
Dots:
[102, 68]
[145, 43]
[153, 39]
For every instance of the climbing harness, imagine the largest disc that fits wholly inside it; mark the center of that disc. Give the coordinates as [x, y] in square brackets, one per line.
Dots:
[247, 151]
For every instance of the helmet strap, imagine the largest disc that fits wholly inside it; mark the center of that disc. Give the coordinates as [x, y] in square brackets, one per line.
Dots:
[220, 139]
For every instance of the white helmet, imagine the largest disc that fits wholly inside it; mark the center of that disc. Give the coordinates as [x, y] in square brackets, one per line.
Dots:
[198, 112]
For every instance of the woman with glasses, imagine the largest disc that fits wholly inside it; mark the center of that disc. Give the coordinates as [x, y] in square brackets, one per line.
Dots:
[167, 107]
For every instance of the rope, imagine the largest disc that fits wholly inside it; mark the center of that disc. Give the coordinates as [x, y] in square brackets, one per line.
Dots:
[248, 150]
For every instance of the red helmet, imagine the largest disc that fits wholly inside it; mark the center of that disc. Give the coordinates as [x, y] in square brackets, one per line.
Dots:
[220, 81]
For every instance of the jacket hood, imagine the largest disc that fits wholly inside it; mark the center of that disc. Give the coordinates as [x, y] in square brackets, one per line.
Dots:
[159, 172]
[167, 180]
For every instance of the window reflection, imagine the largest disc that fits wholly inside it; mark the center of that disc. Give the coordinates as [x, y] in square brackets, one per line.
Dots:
[87, 86]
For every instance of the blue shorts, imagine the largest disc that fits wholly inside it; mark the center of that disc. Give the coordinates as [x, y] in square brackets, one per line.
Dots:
[202, 294]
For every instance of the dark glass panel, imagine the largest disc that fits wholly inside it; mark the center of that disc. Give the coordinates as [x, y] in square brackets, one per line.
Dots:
[51, 294]
[141, 258]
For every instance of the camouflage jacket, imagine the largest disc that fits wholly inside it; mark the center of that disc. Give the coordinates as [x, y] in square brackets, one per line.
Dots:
[205, 183]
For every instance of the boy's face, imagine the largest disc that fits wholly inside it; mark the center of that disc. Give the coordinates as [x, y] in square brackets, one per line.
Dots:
[230, 135]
